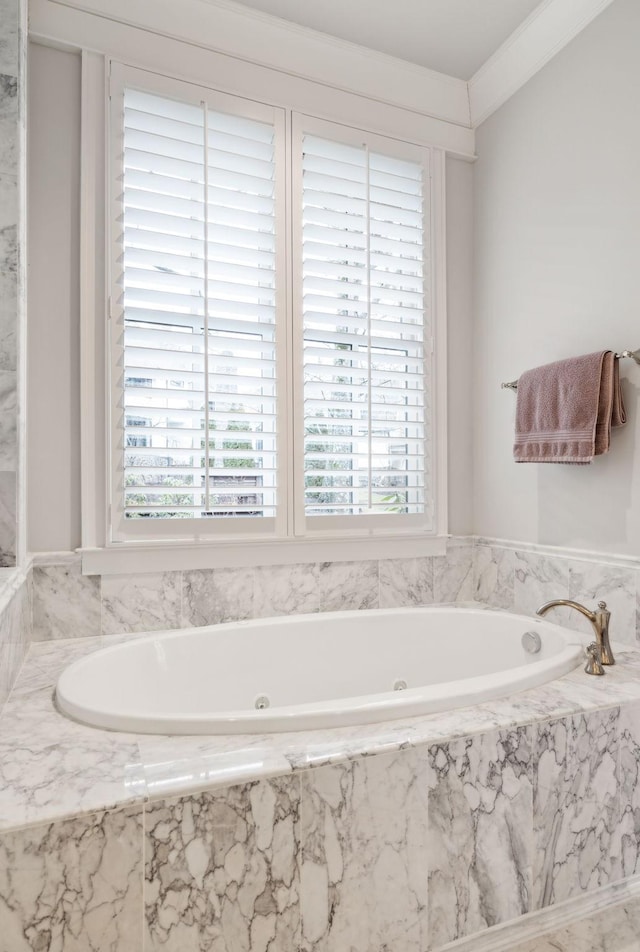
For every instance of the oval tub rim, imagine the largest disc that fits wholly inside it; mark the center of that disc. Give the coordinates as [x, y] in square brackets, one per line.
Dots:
[344, 712]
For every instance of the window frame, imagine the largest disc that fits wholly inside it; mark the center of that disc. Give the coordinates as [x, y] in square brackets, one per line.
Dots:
[101, 547]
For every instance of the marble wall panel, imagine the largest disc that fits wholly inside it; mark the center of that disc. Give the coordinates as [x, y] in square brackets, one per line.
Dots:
[285, 590]
[8, 121]
[346, 586]
[591, 582]
[74, 886]
[221, 871]
[576, 806]
[9, 36]
[363, 855]
[11, 104]
[539, 578]
[522, 580]
[9, 222]
[15, 635]
[453, 575]
[406, 582]
[8, 324]
[66, 604]
[215, 596]
[149, 602]
[494, 576]
[479, 845]
[629, 726]
[8, 503]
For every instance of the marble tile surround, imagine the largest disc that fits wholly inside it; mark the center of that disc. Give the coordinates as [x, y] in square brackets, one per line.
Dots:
[480, 848]
[73, 886]
[521, 579]
[12, 263]
[67, 604]
[15, 628]
[399, 836]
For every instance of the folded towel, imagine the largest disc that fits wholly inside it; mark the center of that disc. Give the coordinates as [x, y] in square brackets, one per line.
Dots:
[565, 410]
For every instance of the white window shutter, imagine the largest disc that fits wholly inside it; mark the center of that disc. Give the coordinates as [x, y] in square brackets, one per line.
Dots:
[198, 277]
[365, 252]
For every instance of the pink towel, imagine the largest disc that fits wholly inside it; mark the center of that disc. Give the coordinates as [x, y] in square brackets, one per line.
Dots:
[565, 410]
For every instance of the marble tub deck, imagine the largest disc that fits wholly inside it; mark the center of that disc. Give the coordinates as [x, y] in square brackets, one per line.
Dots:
[52, 768]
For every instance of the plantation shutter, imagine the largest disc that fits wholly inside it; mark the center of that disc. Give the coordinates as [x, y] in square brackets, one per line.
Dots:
[367, 347]
[197, 260]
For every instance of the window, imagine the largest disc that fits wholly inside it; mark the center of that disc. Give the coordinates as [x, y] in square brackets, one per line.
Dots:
[365, 328]
[271, 328]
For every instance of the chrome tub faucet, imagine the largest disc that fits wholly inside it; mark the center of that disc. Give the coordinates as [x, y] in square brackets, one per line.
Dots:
[598, 618]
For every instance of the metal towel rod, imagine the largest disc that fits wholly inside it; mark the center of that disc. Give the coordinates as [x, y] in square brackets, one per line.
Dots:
[634, 354]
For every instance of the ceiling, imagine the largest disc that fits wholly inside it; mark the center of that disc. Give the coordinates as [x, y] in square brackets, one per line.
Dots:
[451, 36]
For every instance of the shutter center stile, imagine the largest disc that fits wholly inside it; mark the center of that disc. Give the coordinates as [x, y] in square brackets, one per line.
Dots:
[367, 231]
[207, 411]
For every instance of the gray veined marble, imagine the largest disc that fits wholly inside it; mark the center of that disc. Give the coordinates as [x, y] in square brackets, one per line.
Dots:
[8, 440]
[8, 504]
[576, 806]
[406, 582]
[9, 11]
[221, 871]
[8, 122]
[215, 596]
[74, 886]
[285, 590]
[15, 634]
[8, 223]
[479, 843]
[591, 582]
[629, 726]
[66, 604]
[363, 839]
[538, 579]
[348, 586]
[8, 323]
[149, 602]
[65, 775]
[494, 574]
[453, 575]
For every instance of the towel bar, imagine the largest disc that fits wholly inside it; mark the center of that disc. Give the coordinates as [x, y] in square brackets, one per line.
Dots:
[634, 354]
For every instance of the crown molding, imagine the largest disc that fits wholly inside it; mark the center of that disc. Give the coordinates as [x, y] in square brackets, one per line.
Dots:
[550, 27]
[233, 29]
[439, 102]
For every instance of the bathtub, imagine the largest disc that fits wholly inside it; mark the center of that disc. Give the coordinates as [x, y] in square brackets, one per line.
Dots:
[308, 671]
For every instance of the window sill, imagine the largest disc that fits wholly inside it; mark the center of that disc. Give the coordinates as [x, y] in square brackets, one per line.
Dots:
[132, 557]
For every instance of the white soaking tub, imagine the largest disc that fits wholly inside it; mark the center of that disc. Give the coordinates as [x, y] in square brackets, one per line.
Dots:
[307, 671]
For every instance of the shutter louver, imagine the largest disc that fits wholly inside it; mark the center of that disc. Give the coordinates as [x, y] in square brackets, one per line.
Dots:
[198, 269]
[365, 331]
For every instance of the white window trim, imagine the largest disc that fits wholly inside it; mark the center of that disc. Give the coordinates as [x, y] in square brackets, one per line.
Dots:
[102, 555]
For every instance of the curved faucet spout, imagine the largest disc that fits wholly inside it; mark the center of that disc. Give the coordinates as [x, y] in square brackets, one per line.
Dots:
[566, 602]
[599, 619]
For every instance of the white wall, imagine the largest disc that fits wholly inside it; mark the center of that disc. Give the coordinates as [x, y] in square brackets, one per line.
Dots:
[54, 388]
[557, 272]
[53, 429]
